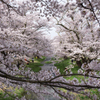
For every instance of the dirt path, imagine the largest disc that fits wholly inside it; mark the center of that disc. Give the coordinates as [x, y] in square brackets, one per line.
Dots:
[48, 67]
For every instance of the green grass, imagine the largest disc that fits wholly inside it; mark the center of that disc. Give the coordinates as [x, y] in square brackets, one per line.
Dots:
[61, 65]
[92, 92]
[81, 97]
[75, 69]
[53, 58]
[65, 63]
[48, 62]
[19, 93]
[36, 65]
[60, 59]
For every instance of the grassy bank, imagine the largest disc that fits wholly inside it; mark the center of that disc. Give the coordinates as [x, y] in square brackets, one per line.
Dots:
[66, 63]
[60, 65]
[21, 92]
[9, 96]
[35, 66]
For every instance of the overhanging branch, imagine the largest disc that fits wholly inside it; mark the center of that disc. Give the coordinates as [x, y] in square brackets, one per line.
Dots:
[59, 83]
[76, 33]
[91, 9]
[9, 6]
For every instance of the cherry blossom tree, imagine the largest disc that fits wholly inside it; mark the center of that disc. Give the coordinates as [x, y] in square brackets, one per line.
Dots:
[21, 36]
[80, 36]
[91, 5]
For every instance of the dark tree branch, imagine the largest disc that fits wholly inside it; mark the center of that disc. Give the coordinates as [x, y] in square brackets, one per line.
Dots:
[59, 93]
[73, 75]
[76, 33]
[9, 94]
[66, 96]
[58, 84]
[65, 85]
[9, 6]
[81, 4]
[91, 9]
[94, 12]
